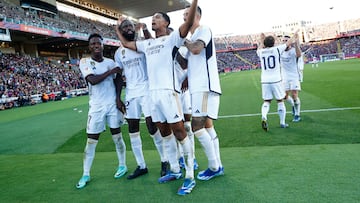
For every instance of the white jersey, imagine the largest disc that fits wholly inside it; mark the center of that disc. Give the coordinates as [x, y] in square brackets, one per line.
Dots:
[104, 92]
[203, 73]
[270, 63]
[181, 73]
[160, 53]
[134, 68]
[289, 65]
[301, 65]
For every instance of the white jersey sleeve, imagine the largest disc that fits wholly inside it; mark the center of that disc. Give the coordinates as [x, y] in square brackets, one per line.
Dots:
[300, 65]
[203, 75]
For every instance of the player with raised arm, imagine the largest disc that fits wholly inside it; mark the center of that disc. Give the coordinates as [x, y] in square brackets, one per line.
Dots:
[164, 92]
[271, 78]
[136, 99]
[105, 84]
[292, 76]
[205, 90]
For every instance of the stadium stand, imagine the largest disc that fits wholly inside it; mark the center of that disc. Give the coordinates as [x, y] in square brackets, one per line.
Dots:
[49, 63]
[24, 80]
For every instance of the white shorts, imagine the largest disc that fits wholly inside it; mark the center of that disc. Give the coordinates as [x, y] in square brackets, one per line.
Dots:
[136, 106]
[98, 116]
[166, 106]
[292, 85]
[271, 90]
[205, 104]
[186, 102]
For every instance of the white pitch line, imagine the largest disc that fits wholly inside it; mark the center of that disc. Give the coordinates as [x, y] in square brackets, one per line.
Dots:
[259, 114]
[305, 111]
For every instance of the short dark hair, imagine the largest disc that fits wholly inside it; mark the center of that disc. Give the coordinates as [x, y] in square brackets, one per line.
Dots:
[198, 9]
[269, 41]
[95, 35]
[166, 17]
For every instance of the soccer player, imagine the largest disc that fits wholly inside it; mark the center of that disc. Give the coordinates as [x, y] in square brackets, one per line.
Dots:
[292, 76]
[137, 94]
[205, 90]
[271, 78]
[166, 111]
[104, 81]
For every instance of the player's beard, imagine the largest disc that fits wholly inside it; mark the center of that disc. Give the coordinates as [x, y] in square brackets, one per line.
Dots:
[129, 36]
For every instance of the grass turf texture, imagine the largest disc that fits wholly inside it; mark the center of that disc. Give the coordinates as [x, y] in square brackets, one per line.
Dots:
[41, 149]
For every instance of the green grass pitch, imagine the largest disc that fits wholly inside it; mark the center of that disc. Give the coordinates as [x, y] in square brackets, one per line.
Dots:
[315, 160]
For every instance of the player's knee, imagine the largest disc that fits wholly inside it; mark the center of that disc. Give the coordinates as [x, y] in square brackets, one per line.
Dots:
[134, 125]
[93, 136]
[197, 123]
[151, 126]
[115, 131]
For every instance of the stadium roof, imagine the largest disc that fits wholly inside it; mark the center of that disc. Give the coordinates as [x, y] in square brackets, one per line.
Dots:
[137, 8]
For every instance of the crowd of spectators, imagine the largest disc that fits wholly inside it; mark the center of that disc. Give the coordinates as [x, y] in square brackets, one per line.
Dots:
[21, 77]
[69, 22]
[350, 45]
[237, 60]
[60, 22]
[248, 59]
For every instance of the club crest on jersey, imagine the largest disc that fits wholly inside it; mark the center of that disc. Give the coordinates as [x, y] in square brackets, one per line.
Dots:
[123, 53]
[92, 63]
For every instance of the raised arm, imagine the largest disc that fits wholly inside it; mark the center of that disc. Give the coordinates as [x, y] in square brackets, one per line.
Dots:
[297, 46]
[185, 27]
[261, 41]
[293, 39]
[146, 32]
[194, 47]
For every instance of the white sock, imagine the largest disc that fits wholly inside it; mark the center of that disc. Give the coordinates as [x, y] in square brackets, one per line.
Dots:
[190, 134]
[208, 147]
[171, 152]
[215, 140]
[282, 112]
[120, 148]
[136, 146]
[180, 151]
[297, 106]
[89, 155]
[265, 110]
[290, 100]
[189, 166]
[158, 142]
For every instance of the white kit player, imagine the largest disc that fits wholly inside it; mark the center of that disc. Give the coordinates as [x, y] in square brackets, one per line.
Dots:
[166, 110]
[104, 81]
[205, 90]
[292, 76]
[271, 78]
[136, 99]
